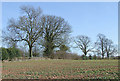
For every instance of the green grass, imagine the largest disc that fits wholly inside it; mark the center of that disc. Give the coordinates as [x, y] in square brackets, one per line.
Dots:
[61, 69]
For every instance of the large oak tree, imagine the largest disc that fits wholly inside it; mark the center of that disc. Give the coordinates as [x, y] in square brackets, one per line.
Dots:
[55, 29]
[27, 27]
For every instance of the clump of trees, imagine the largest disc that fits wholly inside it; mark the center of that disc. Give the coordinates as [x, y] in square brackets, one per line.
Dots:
[32, 28]
[10, 53]
[51, 34]
[103, 46]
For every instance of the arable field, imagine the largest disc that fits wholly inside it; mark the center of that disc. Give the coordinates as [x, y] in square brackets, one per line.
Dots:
[61, 69]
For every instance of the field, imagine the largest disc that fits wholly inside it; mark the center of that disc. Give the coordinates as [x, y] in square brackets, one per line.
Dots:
[61, 69]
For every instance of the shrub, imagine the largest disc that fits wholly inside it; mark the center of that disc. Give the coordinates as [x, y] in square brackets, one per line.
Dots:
[90, 57]
[5, 55]
[35, 54]
[13, 52]
[60, 55]
[75, 56]
[65, 55]
[99, 58]
[94, 57]
[83, 57]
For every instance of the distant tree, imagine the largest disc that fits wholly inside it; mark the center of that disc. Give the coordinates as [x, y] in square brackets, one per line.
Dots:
[83, 43]
[27, 28]
[114, 51]
[54, 31]
[100, 44]
[110, 48]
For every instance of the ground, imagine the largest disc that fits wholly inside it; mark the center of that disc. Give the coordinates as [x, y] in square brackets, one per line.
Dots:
[60, 69]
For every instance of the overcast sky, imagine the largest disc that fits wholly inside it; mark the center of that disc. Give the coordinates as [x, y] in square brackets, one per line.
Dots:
[86, 18]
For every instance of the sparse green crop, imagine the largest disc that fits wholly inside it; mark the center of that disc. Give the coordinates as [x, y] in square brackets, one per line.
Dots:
[61, 69]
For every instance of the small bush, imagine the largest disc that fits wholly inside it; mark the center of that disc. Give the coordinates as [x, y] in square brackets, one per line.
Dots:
[84, 57]
[94, 57]
[60, 55]
[90, 57]
[99, 58]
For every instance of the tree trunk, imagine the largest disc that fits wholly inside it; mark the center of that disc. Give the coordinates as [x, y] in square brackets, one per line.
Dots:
[30, 52]
[102, 56]
[85, 55]
[107, 55]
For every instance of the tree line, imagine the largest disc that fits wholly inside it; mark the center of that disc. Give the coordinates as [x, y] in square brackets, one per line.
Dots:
[103, 46]
[50, 33]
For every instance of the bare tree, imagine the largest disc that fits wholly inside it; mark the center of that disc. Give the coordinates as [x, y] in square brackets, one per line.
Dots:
[110, 48]
[84, 43]
[54, 31]
[27, 28]
[101, 44]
